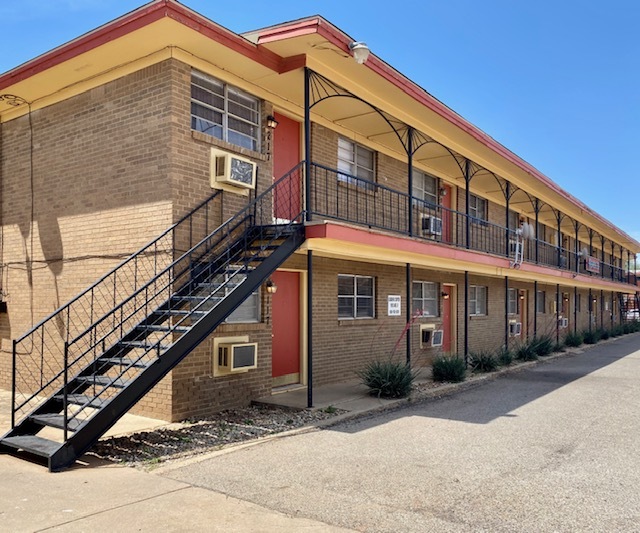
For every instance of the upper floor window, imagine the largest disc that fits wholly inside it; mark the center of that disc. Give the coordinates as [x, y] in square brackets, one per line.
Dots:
[356, 161]
[513, 296]
[425, 298]
[478, 207]
[355, 296]
[477, 300]
[224, 112]
[425, 187]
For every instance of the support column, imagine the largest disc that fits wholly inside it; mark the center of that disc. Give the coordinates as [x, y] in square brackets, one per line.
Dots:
[310, 329]
[467, 179]
[409, 313]
[575, 309]
[535, 308]
[507, 196]
[590, 309]
[558, 307]
[307, 144]
[466, 317]
[537, 208]
[410, 180]
[601, 309]
[506, 311]
[612, 308]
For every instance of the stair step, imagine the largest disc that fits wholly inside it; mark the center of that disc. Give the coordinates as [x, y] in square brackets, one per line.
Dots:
[104, 381]
[167, 329]
[122, 361]
[32, 444]
[83, 400]
[263, 247]
[144, 345]
[56, 421]
[178, 312]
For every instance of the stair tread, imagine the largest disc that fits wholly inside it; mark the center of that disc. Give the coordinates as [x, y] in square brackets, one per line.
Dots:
[142, 344]
[82, 399]
[152, 327]
[179, 312]
[56, 421]
[103, 380]
[122, 361]
[32, 444]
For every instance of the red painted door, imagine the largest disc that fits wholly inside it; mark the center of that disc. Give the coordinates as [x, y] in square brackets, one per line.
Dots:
[286, 155]
[445, 201]
[446, 317]
[285, 315]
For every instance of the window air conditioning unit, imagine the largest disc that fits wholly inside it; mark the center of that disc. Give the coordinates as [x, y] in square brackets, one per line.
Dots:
[426, 334]
[233, 170]
[515, 329]
[237, 357]
[563, 323]
[431, 225]
[437, 337]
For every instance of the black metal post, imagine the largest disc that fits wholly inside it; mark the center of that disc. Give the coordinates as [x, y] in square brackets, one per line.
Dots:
[408, 288]
[309, 329]
[575, 309]
[467, 179]
[559, 219]
[601, 309]
[13, 384]
[577, 246]
[612, 308]
[537, 208]
[410, 180]
[506, 312]
[507, 201]
[535, 308]
[558, 304]
[307, 143]
[590, 309]
[466, 317]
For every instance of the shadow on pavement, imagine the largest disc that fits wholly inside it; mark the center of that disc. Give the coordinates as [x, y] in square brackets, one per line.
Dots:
[490, 400]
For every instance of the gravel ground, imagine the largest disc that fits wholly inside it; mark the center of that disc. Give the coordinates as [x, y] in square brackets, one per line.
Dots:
[151, 448]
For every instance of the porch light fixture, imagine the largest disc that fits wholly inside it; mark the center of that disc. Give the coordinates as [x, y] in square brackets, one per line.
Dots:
[272, 123]
[270, 286]
[445, 295]
[443, 191]
[360, 51]
[521, 296]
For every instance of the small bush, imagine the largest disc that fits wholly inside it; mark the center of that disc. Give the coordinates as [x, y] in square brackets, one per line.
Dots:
[559, 347]
[604, 334]
[591, 337]
[626, 328]
[449, 368]
[634, 326]
[542, 345]
[483, 362]
[616, 331]
[388, 379]
[526, 352]
[505, 357]
[573, 339]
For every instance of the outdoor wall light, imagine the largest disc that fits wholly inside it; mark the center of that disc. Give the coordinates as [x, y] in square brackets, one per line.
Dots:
[272, 123]
[270, 286]
[443, 191]
[360, 51]
[521, 296]
[445, 295]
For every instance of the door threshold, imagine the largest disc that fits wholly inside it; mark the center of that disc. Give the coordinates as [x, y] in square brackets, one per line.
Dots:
[287, 388]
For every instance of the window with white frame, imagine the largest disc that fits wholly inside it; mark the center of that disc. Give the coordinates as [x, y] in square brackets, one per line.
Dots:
[224, 111]
[541, 301]
[425, 187]
[512, 301]
[355, 161]
[425, 298]
[355, 296]
[478, 207]
[249, 310]
[477, 300]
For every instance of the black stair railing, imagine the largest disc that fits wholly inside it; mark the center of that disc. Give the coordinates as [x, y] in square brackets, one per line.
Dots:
[39, 355]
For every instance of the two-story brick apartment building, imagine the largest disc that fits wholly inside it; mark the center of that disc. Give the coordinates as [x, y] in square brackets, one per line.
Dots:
[191, 219]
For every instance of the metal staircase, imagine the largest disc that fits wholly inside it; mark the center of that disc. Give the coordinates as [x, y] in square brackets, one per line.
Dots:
[81, 369]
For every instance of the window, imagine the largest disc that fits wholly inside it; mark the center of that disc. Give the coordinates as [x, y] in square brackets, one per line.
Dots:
[249, 310]
[425, 187]
[355, 296]
[478, 207]
[514, 220]
[512, 301]
[477, 300]
[357, 161]
[542, 232]
[425, 298]
[541, 300]
[224, 112]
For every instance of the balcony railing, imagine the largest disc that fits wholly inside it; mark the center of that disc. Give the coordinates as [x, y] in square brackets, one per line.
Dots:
[344, 197]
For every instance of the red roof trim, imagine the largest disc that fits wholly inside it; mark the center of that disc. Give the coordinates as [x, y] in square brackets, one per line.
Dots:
[135, 20]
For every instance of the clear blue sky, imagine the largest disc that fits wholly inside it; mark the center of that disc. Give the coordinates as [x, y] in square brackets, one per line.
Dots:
[556, 81]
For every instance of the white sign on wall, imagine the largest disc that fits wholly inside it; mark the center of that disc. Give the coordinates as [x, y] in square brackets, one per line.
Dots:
[394, 305]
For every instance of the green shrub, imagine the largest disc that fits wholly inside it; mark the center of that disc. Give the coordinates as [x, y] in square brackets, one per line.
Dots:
[626, 328]
[559, 347]
[483, 361]
[604, 334]
[505, 357]
[388, 379]
[573, 339]
[449, 368]
[634, 326]
[591, 337]
[616, 331]
[526, 352]
[542, 345]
